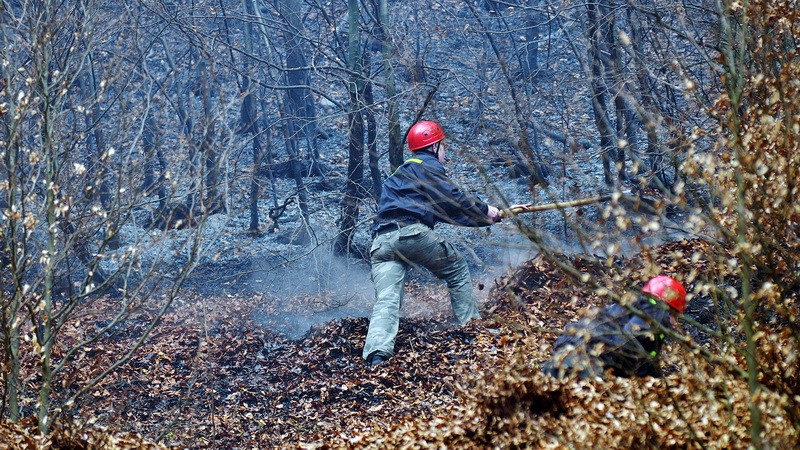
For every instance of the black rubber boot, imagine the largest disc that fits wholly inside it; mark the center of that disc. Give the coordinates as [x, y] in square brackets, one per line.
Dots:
[376, 359]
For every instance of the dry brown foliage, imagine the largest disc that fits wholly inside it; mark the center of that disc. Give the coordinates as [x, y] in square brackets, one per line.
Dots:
[212, 377]
[25, 435]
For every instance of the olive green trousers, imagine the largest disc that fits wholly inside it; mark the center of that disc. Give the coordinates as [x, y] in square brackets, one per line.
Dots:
[390, 256]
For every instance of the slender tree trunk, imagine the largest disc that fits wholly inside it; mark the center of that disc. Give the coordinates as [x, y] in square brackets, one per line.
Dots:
[12, 254]
[295, 172]
[372, 137]
[624, 128]
[529, 60]
[735, 40]
[355, 178]
[214, 200]
[11, 303]
[187, 128]
[154, 181]
[355, 166]
[395, 139]
[480, 89]
[597, 83]
[255, 187]
[296, 78]
[523, 145]
[12, 378]
[248, 121]
[300, 103]
[44, 324]
[267, 148]
[648, 111]
[269, 157]
[97, 167]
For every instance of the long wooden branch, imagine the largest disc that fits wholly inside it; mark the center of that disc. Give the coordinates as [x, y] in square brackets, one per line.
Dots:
[634, 202]
[530, 207]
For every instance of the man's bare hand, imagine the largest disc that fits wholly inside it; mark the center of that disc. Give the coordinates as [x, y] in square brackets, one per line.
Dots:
[494, 214]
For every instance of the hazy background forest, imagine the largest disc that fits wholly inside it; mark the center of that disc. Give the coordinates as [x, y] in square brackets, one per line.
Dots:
[151, 146]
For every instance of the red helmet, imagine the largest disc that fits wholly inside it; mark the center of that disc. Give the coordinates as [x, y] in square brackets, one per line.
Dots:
[423, 134]
[668, 290]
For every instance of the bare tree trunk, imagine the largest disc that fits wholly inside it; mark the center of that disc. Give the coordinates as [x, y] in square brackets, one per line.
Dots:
[268, 150]
[300, 105]
[97, 169]
[44, 325]
[248, 121]
[296, 173]
[258, 153]
[624, 126]
[186, 128]
[395, 139]
[214, 201]
[97, 147]
[12, 257]
[355, 166]
[11, 357]
[736, 42]
[480, 90]
[647, 111]
[372, 136]
[13, 253]
[599, 91]
[529, 60]
[293, 113]
[417, 72]
[154, 181]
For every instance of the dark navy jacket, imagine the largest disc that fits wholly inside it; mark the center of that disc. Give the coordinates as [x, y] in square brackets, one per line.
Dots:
[420, 191]
[615, 339]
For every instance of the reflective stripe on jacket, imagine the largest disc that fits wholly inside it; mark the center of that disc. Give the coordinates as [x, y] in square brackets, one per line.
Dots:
[620, 339]
[420, 190]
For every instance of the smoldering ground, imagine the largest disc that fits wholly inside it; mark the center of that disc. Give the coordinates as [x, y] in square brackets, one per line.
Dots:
[306, 290]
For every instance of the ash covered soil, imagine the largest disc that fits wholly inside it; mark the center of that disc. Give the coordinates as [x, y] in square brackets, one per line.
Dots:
[213, 376]
[262, 349]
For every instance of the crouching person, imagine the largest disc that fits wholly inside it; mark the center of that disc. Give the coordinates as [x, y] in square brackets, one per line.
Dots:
[617, 338]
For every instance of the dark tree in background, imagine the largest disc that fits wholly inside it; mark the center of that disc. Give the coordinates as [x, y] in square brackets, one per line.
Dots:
[248, 121]
[355, 118]
[300, 108]
[387, 50]
[597, 28]
[529, 54]
[297, 108]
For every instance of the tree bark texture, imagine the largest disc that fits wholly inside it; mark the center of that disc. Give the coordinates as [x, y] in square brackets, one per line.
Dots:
[355, 166]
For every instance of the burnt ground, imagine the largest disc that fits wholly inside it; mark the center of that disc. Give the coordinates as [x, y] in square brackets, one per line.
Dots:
[212, 376]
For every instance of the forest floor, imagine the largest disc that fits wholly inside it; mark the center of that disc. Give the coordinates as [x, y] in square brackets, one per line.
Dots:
[263, 350]
[212, 376]
[263, 347]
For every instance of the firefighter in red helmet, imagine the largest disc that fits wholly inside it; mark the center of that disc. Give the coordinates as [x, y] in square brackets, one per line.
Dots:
[668, 290]
[423, 134]
[416, 197]
[618, 338]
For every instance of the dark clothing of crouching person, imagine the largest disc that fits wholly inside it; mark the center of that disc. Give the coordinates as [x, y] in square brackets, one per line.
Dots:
[617, 338]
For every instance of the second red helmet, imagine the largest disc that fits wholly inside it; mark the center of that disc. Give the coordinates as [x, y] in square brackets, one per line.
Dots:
[668, 290]
[423, 134]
